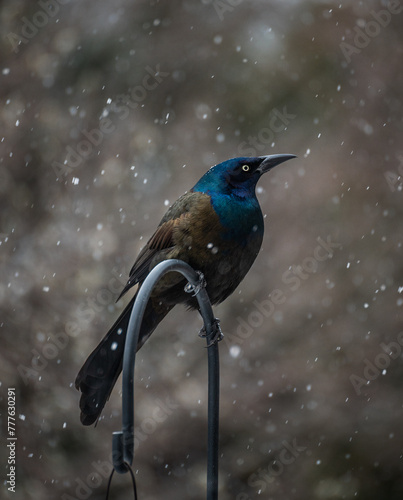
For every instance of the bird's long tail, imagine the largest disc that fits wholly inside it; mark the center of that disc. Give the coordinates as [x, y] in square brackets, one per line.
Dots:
[99, 373]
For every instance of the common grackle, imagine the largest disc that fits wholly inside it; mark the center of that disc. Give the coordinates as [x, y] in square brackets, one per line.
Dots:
[217, 228]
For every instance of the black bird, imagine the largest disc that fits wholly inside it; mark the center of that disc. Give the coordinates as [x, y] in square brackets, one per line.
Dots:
[217, 228]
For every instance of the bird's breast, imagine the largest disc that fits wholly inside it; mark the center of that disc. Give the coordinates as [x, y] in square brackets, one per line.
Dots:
[221, 244]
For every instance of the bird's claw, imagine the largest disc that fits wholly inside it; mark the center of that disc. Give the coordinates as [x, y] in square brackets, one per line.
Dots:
[216, 333]
[195, 289]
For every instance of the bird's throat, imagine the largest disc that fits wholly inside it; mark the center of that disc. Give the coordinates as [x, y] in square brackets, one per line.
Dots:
[240, 217]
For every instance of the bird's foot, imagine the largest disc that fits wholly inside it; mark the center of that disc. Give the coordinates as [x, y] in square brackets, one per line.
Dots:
[216, 333]
[195, 289]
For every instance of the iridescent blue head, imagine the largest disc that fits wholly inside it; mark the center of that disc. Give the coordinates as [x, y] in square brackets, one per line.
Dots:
[231, 187]
[238, 176]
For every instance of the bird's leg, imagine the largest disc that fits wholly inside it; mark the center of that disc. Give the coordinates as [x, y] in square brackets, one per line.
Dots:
[216, 333]
[189, 288]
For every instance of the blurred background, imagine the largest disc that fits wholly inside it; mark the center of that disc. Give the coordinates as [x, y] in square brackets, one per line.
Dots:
[111, 110]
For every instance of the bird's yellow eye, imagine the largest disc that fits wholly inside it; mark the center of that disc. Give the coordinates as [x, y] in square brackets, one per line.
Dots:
[245, 168]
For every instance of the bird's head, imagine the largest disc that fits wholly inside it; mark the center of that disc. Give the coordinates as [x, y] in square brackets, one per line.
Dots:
[239, 175]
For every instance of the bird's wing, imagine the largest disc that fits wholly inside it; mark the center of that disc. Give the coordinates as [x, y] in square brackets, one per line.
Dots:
[163, 236]
[161, 240]
[176, 218]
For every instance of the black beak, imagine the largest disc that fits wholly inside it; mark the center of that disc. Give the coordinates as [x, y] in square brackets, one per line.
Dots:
[271, 161]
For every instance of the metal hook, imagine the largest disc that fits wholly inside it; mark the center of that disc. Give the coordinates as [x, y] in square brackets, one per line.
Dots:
[123, 442]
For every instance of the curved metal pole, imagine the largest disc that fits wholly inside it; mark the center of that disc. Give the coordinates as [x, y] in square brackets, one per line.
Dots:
[123, 442]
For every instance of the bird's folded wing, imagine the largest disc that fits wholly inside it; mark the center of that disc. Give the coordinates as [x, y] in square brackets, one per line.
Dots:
[159, 242]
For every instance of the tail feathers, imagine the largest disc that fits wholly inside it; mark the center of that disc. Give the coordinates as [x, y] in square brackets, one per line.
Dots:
[99, 373]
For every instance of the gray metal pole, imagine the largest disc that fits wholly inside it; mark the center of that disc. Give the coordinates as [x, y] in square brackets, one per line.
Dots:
[123, 441]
